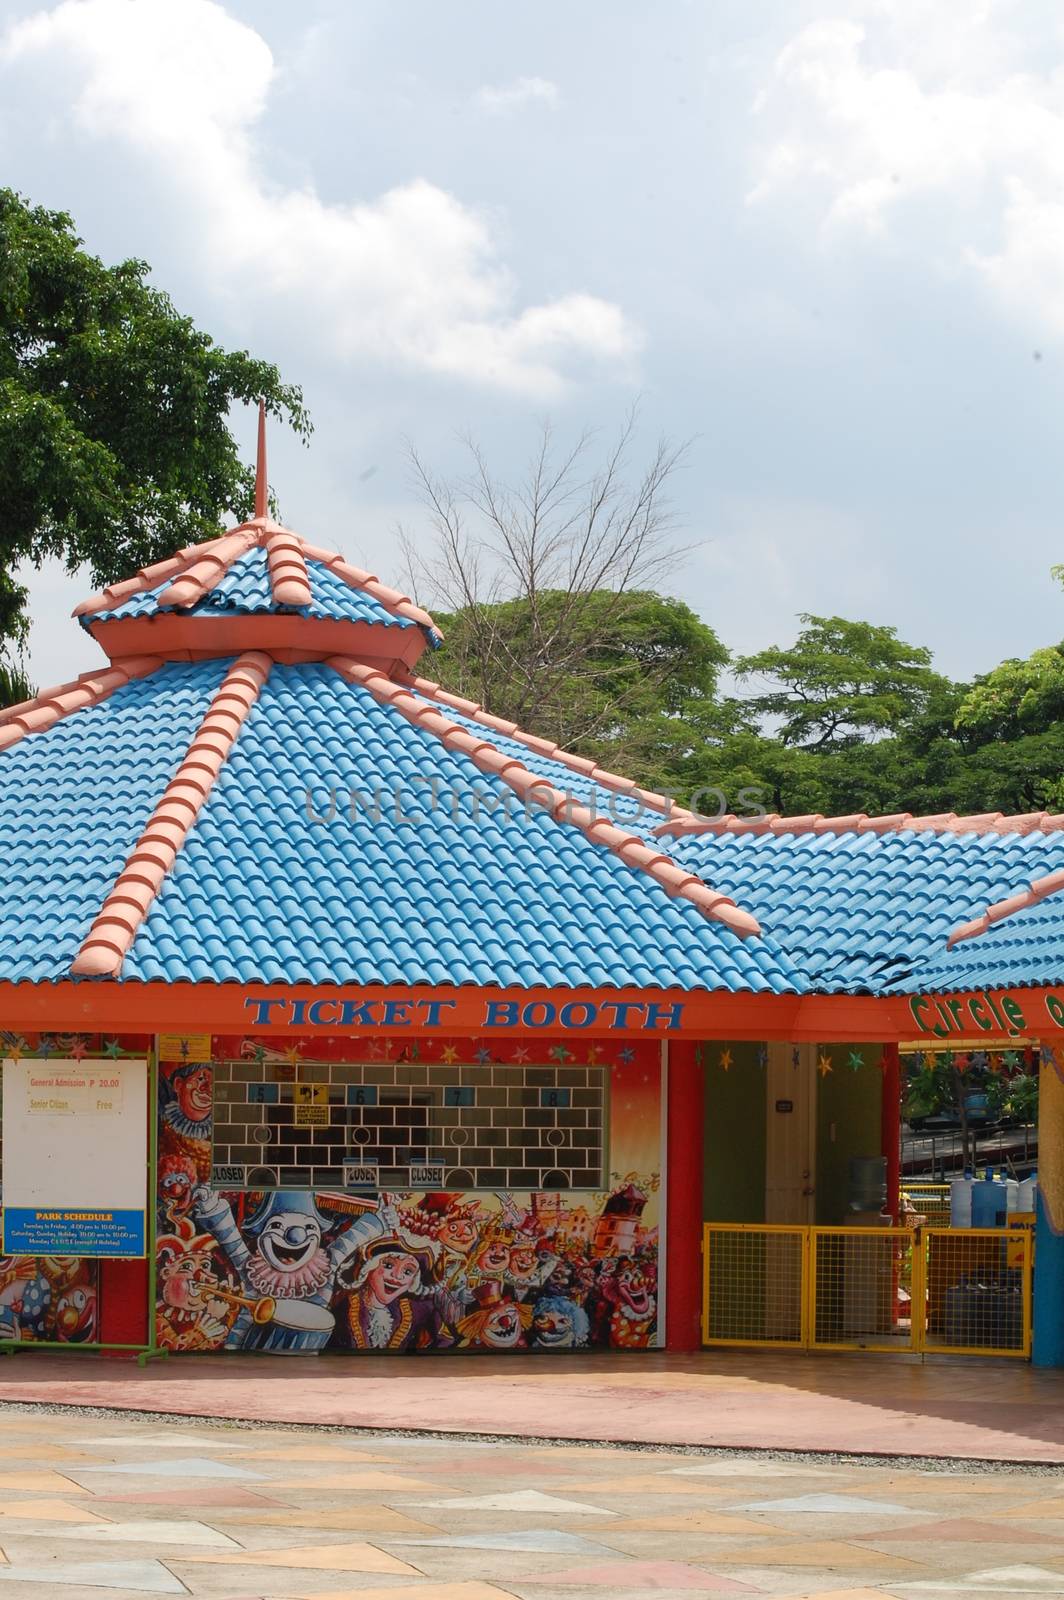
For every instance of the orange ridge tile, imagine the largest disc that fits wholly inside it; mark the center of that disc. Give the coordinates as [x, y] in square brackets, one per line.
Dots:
[553, 752]
[399, 604]
[289, 582]
[47, 708]
[859, 822]
[208, 571]
[633, 851]
[115, 926]
[145, 578]
[1038, 889]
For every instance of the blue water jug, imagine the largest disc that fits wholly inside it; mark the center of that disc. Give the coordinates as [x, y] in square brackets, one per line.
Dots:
[989, 1204]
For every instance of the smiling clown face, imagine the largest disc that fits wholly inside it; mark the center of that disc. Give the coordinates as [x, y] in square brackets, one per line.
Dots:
[290, 1240]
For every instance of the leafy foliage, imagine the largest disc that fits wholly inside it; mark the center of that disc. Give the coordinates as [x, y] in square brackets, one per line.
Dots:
[114, 445]
[839, 684]
[623, 674]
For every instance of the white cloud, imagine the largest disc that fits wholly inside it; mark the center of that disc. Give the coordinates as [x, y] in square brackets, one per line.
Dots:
[499, 99]
[950, 148]
[170, 95]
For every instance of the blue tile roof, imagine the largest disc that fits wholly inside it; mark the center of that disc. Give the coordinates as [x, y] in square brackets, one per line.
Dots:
[393, 889]
[860, 912]
[73, 802]
[469, 893]
[245, 590]
[625, 811]
[1021, 950]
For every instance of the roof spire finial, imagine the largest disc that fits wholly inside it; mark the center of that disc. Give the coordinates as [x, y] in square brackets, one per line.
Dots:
[261, 492]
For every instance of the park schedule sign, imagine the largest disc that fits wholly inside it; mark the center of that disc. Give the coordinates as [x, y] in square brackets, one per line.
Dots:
[75, 1158]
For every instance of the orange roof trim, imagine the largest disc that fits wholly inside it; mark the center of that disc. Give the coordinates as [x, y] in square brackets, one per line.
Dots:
[116, 925]
[633, 851]
[1039, 889]
[89, 689]
[859, 822]
[543, 747]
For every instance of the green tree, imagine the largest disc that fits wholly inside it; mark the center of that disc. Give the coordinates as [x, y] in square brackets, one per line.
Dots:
[114, 444]
[840, 684]
[624, 678]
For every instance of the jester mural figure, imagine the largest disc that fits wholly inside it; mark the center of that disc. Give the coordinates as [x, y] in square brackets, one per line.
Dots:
[287, 1274]
[390, 1300]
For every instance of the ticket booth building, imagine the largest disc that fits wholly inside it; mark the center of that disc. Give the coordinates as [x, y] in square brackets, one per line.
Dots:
[449, 1038]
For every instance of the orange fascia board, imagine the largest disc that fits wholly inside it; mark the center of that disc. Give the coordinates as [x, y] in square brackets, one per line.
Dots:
[196, 638]
[103, 1005]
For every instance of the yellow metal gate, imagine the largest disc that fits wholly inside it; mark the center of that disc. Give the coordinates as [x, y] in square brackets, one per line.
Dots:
[955, 1291]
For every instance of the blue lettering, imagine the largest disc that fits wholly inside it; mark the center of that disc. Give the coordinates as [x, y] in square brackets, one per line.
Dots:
[299, 1013]
[432, 1008]
[263, 1008]
[664, 1016]
[357, 1011]
[528, 1015]
[501, 1014]
[567, 1017]
[620, 1009]
[396, 1013]
[316, 1013]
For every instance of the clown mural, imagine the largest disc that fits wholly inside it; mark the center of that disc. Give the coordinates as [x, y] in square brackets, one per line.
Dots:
[498, 1323]
[192, 1315]
[187, 1106]
[390, 1303]
[292, 1272]
[50, 1298]
[300, 1271]
[285, 1269]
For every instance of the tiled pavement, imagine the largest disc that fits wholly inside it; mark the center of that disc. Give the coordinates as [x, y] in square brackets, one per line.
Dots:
[119, 1508]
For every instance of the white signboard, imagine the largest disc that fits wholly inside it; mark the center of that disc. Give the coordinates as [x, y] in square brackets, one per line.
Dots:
[75, 1157]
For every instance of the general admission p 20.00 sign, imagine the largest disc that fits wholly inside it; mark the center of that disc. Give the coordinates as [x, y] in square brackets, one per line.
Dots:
[75, 1159]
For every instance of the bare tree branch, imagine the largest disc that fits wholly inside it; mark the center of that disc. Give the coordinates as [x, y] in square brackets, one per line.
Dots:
[570, 542]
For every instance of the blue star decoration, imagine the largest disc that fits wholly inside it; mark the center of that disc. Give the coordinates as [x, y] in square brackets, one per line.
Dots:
[46, 1046]
[484, 1057]
[561, 1054]
[626, 1055]
[855, 1060]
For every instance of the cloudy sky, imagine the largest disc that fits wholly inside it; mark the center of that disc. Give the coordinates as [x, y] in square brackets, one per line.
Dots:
[826, 240]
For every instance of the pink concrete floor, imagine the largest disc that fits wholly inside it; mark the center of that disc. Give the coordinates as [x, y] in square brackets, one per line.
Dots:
[993, 1410]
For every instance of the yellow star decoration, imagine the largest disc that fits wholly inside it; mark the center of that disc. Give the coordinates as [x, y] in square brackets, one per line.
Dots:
[725, 1060]
[824, 1066]
[449, 1053]
[594, 1051]
[292, 1053]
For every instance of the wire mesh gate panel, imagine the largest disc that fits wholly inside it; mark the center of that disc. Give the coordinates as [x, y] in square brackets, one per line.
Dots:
[855, 1276]
[955, 1291]
[978, 1299]
[753, 1284]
